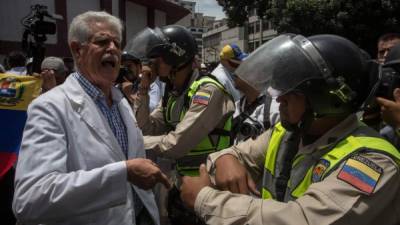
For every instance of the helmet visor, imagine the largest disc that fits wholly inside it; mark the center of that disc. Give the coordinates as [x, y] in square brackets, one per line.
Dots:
[144, 42]
[281, 65]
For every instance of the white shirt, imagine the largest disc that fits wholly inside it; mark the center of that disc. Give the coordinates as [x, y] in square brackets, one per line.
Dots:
[155, 93]
[224, 77]
[17, 70]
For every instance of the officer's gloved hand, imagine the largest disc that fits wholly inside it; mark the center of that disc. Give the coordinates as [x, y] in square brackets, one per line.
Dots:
[231, 175]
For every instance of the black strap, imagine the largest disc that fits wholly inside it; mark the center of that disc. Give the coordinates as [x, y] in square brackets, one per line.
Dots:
[192, 160]
[289, 150]
[267, 108]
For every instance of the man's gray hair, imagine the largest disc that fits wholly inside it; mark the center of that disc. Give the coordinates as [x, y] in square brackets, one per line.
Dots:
[80, 27]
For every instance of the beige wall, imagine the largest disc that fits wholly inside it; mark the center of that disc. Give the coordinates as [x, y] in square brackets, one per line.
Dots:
[136, 19]
[115, 8]
[185, 21]
[160, 18]
[76, 7]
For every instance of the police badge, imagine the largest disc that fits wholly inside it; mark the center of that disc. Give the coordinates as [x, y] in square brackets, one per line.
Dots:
[319, 170]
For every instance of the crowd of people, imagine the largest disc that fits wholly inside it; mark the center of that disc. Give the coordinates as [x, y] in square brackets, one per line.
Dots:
[146, 134]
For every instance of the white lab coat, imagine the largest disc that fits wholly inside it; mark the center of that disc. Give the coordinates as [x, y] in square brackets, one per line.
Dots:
[71, 169]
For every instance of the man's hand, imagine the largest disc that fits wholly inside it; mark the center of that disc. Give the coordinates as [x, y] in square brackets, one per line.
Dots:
[49, 79]
[390, 110]
[146, 77]
[191, 186]
[232, 176]
[145, 174]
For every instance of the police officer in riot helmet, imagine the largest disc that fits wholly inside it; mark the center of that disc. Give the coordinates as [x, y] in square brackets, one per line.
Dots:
[320, 164]
[169, 51]
[194, 117]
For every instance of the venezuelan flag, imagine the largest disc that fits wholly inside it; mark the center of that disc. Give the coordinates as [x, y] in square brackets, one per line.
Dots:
[16, 92]
[201, 98]
[360, 175]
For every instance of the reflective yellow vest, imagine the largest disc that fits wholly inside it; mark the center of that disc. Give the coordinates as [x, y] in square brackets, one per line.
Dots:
[189, 164]
[304, 164]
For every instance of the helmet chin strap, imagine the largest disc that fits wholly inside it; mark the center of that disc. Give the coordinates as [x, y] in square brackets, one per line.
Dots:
[304, 124]
[172, 76]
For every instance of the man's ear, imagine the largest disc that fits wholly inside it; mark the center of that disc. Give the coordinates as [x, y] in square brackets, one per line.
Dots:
[76, 48]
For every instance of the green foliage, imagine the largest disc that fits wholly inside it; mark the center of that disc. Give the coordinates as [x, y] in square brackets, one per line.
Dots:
[361, 21]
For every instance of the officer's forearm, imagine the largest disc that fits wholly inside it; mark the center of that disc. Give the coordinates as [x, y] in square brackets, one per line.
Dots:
[142, 110]
[169, 145]
[150, 124]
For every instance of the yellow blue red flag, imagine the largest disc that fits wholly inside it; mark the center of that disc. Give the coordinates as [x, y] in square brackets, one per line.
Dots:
[16, 92]
[361, 173]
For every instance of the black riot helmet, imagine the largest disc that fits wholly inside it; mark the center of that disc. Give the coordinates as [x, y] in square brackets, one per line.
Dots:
[126, 56]
[174, 43]
[330, 70]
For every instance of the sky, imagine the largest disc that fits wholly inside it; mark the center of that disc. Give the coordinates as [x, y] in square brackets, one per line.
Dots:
[209, 8]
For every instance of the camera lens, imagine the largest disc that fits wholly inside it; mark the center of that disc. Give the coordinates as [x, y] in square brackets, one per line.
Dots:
[247, 129]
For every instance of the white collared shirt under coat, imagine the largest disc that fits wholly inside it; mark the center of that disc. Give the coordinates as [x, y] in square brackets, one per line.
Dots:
[71, 169]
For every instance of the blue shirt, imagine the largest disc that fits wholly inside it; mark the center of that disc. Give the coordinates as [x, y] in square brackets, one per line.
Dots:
[112, 113]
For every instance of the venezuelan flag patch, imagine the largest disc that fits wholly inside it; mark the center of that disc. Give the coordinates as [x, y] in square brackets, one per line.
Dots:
[201, 97]
[361, 173]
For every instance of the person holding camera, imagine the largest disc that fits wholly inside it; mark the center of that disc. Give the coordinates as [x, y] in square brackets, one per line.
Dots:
[129, 79]
[82, 158]
[194, 118]
[385, 43]
[320, 164]
[388, 95]
[254, 113]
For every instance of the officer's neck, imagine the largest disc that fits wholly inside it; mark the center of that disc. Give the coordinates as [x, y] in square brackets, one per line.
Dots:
[322, 125]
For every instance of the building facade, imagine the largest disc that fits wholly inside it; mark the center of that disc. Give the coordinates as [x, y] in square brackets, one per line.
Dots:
[135, 14]
[254, 33]
[259, 31]
[196, 22]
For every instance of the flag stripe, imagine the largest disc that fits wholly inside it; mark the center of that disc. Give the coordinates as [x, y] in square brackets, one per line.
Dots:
[6, 162]
[360, 175]
[12, 125]
[16, 93]
[200, 101]
[200, 93]
[343, 175]
[364, 168]
[202, 97]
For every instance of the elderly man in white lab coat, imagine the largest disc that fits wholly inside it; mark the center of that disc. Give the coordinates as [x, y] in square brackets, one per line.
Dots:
[82, 156]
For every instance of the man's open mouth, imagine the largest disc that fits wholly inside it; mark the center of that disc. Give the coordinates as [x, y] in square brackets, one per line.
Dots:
[109, 61]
